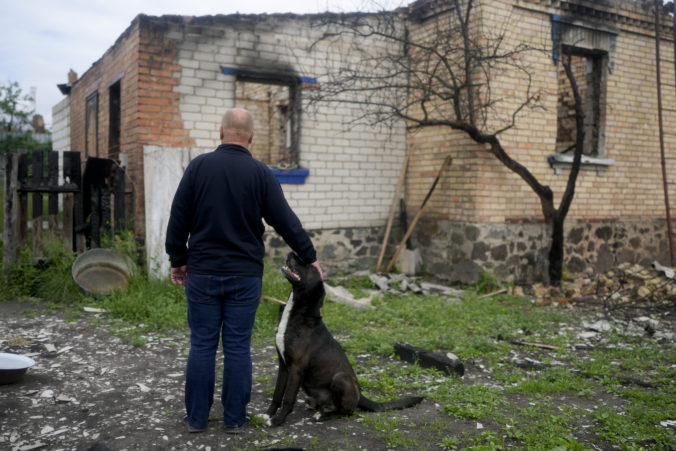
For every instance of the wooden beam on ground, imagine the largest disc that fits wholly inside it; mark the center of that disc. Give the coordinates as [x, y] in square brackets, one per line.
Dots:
[265, 297]
[449, 363]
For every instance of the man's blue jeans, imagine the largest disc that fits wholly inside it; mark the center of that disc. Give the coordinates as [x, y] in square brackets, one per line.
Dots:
[220, 306]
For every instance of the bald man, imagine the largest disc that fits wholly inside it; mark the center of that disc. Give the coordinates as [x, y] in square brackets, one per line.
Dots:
[218, 210]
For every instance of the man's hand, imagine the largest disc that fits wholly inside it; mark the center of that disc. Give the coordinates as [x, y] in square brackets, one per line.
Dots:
[319, 269]
[179, 276]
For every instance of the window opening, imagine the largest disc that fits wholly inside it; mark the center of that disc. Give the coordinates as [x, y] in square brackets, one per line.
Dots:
[92, 125]
[115, 111]
[272, 104]
[589, 69]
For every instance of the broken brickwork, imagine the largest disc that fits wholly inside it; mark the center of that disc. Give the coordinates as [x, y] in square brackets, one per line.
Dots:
[164, 84]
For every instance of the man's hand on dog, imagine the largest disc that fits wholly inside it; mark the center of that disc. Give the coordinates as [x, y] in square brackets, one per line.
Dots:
[179, 275]
[319, 269]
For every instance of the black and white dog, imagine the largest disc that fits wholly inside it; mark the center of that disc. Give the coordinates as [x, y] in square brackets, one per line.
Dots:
[309, 357]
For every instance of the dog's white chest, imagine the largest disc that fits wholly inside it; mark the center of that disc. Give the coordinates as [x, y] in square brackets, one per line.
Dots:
[283, 324]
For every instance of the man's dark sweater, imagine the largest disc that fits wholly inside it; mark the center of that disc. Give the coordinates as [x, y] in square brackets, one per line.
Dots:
[217, 210]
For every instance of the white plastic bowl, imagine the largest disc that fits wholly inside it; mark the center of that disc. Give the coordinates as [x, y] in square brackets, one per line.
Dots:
[13, 367]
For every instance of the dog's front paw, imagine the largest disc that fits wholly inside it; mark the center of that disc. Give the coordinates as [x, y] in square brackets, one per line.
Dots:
[272, 410]
[277, 420]
[266, 419]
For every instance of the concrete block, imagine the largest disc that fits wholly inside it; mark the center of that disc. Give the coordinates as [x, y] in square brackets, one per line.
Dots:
[410, 261]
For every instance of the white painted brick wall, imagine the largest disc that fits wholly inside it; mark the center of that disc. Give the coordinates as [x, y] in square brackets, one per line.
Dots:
[61, 125]
[353, 172]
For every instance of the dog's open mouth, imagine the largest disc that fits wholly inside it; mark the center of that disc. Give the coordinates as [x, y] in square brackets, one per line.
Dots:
[290, 274]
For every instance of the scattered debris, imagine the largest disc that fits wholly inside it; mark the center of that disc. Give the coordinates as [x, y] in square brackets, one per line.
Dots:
[495, 293]
[47, 394]
[449, 363]
[528, 343]
[629, 286]
[343, 295]
[396, 284]
[18, 341]
[533, 364]
[64, 398]
[401, 284]
[668, 272]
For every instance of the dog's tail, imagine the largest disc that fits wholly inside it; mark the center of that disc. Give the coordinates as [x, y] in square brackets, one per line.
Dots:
[402, 403]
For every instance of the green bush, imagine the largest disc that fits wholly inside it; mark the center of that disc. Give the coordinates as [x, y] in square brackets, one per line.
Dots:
[48, 278]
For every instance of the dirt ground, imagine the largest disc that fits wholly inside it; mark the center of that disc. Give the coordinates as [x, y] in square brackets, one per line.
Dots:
[90, 389]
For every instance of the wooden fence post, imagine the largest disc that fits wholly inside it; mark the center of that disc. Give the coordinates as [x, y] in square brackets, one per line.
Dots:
[10, 235]
[68, 204]
[23, 200]
[38, 163]
[76, 177]
[118, 193]
[53, 180]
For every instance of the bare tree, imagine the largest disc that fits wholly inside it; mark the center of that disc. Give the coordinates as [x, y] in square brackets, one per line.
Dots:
[440, 73]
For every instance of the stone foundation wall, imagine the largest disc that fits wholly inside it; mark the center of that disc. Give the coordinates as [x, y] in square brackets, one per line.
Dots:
[458, 252]
[340, 250]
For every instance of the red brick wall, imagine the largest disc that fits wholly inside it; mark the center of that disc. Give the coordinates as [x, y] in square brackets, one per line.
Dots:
[149, 107]
[158, 122]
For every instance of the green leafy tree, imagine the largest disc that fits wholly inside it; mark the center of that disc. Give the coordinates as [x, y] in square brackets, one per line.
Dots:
[14, 116]
[15, 120]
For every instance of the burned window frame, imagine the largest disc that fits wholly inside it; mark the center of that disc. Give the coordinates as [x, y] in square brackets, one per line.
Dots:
[92, 113]
[594, 97]
[115, 117]
[585, 37]
[290, 158]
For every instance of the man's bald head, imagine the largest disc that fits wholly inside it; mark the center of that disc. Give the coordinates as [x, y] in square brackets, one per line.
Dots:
[237, 127]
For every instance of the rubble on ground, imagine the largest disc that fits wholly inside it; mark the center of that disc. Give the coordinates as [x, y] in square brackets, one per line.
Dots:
[625, 286]
[396, 284]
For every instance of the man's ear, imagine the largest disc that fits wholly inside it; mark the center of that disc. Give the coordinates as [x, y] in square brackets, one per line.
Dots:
[221, 132]
[251, 138]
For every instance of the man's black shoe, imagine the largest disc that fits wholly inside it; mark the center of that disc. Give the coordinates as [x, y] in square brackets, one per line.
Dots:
[193, 429]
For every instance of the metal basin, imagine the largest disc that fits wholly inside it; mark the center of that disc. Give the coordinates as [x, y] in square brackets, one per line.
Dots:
[13, 367]
[101, 270]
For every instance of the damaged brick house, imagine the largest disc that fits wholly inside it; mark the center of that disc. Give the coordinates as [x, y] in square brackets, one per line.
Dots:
[155, 98]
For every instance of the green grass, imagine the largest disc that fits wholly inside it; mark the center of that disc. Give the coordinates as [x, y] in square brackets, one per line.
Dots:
[387, 430]
[2, 210]
[2, 216]
[550, 408]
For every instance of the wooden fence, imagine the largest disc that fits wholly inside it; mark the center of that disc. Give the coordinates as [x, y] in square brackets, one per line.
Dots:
[29, 177]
